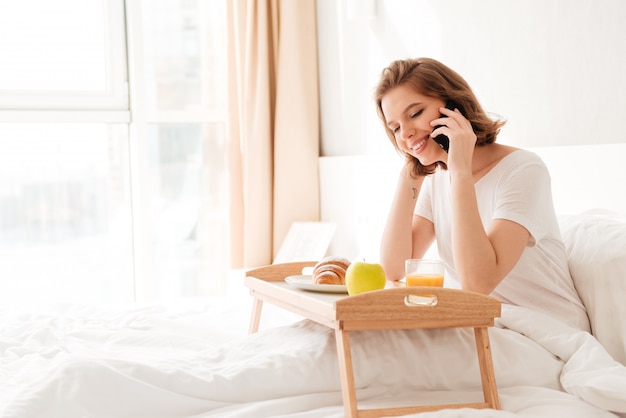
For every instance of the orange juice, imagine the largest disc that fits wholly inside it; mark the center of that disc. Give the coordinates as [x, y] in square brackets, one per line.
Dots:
[424, 280]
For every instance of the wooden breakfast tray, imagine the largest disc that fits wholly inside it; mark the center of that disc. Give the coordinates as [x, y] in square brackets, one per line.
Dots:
[390, 308]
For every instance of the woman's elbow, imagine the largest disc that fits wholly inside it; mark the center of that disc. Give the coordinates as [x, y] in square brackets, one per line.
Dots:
[483, 284]
[393, 273]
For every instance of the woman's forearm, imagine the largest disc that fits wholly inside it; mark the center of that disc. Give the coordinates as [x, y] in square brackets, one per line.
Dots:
[474, 256]
[397, 238]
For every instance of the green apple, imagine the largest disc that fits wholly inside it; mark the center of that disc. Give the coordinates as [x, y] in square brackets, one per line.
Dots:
[363, 277]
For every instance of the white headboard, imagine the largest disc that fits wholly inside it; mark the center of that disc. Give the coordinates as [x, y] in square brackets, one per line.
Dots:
[356, 190]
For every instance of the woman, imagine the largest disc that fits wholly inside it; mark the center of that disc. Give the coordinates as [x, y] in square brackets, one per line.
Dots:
[488, 206]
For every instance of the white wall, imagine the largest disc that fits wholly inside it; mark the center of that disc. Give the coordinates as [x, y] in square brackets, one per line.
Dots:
[553, 68]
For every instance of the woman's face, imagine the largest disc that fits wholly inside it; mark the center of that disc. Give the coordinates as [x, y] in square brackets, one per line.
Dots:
[408, 115]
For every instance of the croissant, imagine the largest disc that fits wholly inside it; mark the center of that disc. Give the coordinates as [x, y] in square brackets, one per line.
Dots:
[330, 270]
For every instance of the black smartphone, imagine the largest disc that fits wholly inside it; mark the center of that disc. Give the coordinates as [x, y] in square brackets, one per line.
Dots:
[441, 139]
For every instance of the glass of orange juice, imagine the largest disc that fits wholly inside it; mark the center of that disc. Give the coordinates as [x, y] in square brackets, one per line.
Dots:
[422, 272]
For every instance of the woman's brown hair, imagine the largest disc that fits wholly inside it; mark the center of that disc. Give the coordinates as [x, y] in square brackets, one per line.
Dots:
[432, 78]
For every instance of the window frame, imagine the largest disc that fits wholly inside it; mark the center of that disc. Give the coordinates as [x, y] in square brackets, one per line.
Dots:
[142, 116]
[50, 106]
[124, 103]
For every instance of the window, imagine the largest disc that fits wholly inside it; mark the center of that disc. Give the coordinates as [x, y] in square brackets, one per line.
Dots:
[112, 181]
[65, 231]
[62, 54]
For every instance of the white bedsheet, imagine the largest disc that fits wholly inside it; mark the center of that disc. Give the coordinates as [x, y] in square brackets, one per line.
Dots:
[174, 363]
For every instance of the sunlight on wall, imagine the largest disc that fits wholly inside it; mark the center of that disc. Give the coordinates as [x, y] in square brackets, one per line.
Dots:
[552, 68]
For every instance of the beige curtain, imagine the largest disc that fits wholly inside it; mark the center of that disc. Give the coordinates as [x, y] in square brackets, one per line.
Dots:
[273, 124]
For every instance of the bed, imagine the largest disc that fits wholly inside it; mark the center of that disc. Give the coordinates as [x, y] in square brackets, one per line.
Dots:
[193, 358]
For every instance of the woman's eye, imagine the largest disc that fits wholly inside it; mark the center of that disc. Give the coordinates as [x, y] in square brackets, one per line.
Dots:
[416, 114]
[395, 130]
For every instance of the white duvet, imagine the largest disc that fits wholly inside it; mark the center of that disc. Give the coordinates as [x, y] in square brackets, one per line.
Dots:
[160, 363]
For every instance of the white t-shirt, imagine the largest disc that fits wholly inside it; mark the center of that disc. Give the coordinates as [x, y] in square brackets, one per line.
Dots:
[518, 189]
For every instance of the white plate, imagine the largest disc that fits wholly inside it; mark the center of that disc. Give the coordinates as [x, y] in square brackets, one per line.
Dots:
[305, 282]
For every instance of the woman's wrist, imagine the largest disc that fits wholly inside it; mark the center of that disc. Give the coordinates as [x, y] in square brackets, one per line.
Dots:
[410, 181]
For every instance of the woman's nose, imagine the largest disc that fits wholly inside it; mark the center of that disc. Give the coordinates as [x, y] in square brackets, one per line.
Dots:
[406, 132]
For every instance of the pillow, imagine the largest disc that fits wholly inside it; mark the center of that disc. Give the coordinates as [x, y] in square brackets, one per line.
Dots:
[596, 247]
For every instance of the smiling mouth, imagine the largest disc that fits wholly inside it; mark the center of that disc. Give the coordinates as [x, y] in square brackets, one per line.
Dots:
[418, 145]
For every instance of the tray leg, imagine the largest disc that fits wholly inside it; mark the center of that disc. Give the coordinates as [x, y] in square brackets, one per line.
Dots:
[485, 361]
[255, 317]
[346, 373]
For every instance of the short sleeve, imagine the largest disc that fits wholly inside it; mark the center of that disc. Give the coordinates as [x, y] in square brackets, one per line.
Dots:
[524, 196]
